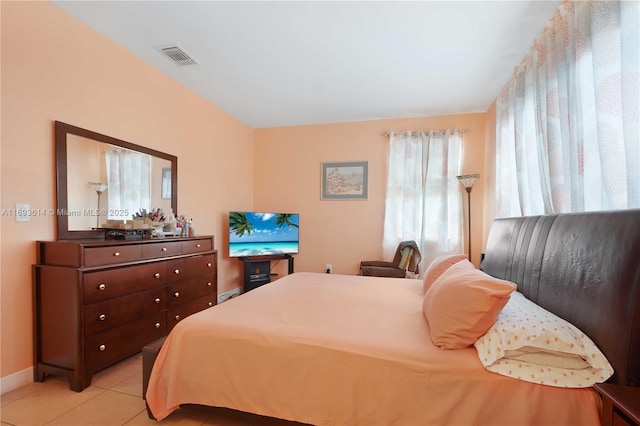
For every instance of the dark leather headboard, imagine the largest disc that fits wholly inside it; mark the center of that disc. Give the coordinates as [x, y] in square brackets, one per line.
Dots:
[583, 267]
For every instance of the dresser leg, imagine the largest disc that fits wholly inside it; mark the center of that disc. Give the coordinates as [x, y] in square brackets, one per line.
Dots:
[79, 382]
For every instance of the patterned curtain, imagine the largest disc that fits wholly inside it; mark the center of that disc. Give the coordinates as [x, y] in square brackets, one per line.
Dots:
[567, 135]
[128, 176]
[424, 201]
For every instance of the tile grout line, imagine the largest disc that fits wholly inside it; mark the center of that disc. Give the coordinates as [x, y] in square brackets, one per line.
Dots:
[137, 414]
[74, 407]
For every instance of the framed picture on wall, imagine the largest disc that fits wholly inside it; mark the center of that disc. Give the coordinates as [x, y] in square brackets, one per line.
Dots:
[166, 183]
[345, 181]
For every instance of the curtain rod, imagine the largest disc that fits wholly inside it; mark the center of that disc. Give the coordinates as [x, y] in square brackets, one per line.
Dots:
[437, 132]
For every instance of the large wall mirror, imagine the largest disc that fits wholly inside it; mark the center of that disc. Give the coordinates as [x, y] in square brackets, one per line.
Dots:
[101, 178]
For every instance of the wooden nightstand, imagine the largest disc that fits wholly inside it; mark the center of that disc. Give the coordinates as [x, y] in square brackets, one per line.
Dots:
[620, 404]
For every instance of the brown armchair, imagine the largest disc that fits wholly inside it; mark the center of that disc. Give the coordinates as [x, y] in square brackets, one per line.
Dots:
[405, 260]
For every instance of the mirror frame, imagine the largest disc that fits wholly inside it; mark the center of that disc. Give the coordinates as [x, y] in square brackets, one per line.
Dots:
[62, 199]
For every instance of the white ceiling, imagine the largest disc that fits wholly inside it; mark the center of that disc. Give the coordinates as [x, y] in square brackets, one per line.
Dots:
[272, 64]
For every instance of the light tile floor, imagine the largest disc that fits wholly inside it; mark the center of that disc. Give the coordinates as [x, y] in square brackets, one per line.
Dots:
[113, 399]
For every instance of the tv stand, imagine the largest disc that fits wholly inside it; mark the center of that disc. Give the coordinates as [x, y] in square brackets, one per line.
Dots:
[257, 269]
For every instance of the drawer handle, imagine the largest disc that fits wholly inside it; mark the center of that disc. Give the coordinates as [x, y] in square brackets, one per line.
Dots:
[157, 300]
[209, 265]
[177, 317]
[102, 317]
[176, 294]
[210, 304]
[116, 254]
[177, 271]
[157, 275]
[157, 325]
[197, 245]
[102, 287]
[102, 347]
[208, 284]
[164, 249]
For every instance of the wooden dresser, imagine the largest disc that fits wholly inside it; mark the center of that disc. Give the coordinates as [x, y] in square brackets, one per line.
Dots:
[99, 302]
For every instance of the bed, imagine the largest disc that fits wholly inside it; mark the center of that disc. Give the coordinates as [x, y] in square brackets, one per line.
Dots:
[332, 349]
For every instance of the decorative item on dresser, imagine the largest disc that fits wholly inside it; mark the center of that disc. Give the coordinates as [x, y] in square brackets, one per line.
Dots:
[98, 302]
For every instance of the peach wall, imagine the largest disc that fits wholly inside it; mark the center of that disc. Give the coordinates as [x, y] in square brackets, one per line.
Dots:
[56, 68]
[287, 169]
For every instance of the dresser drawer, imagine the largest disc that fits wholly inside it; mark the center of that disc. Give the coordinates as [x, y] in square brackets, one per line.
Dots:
[114, 312]
[180, 312]
[197, 246]
[187, 290]
[190, 267]
[103, 285]
[161, 249]
[109, 347]
[95, 256]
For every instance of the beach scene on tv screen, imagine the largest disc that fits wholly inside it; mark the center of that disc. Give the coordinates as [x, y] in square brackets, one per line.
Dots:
[261, 234]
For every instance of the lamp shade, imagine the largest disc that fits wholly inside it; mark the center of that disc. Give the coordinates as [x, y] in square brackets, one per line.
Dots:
[468, 180]
[98, 186]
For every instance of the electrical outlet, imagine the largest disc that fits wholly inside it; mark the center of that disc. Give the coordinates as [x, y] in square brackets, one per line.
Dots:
[223, 297]
[22, 212]
[328, 268]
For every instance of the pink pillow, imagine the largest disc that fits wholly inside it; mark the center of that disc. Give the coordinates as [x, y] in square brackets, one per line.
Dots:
[438, 266]
[463, 304]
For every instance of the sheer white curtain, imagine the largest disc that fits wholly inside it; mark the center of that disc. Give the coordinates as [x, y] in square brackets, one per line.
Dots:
[424, 201]
[128, 176]
[567, 135]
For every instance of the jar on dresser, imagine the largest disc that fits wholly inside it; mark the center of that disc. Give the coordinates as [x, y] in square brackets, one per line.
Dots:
[99, 302]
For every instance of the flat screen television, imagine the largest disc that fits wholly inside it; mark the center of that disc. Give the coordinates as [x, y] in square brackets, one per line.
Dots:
[263, 234]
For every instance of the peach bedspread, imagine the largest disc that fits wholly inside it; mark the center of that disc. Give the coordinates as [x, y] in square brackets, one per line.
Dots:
[344, 350]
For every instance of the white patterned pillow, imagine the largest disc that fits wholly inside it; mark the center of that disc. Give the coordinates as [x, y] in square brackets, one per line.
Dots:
[529, 343]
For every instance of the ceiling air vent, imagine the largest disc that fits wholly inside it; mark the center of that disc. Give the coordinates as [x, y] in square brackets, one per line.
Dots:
[177, 54]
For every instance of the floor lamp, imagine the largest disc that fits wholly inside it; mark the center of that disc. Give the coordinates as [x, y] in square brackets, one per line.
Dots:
[100, 188]
[467, 181]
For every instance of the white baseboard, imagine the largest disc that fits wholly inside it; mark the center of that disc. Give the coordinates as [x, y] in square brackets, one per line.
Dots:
[15, 380]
